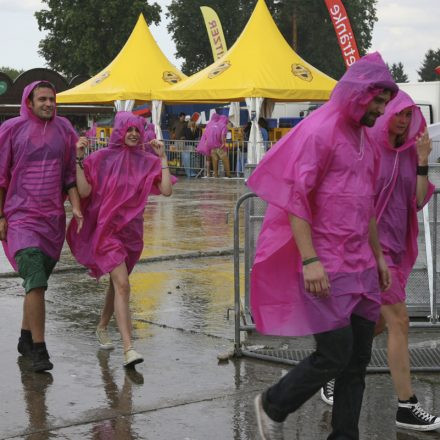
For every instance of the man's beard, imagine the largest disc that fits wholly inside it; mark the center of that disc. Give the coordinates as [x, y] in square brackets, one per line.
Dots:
[369, 119]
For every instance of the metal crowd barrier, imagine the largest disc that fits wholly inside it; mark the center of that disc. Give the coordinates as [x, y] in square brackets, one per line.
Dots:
[422, 290]
[184, 159]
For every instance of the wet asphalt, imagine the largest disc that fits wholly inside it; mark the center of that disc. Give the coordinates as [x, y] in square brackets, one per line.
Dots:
[179, 306]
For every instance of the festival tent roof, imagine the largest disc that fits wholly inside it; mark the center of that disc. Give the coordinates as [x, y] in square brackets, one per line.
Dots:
[259, 64]
[139, 69]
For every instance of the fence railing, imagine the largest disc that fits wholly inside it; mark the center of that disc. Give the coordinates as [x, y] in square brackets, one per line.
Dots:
[184, 159]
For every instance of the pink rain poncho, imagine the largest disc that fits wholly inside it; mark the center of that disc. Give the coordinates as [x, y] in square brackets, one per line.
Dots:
[213, 135]
[322, 171]
[396, 203]
[122, 178]
[37, 167]
[150, 134]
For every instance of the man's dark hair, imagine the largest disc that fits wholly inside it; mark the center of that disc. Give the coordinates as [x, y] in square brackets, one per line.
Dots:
[182, 114]
[41, 85]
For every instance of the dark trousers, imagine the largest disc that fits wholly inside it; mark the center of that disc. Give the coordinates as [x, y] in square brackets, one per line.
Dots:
[342, 354]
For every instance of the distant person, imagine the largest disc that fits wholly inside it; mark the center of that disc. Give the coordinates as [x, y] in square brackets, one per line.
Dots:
[115, 183]
[262, 124]
[319, 267]
[179, 127]
[219, 150]
[37, 173]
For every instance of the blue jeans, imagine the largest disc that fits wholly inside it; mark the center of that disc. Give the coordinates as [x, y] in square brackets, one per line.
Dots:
[342, 354]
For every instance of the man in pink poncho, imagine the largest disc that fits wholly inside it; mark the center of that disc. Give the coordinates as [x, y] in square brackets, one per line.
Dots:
[37, 170]
[318, 256]
[115, 183]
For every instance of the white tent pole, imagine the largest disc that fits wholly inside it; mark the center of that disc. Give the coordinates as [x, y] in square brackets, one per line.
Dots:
[156, 112]
[124, 105]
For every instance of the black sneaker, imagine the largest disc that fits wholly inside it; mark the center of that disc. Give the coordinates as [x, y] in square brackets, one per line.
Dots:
[410, 415]
[40, 361]
[327, 392]
[25, 347]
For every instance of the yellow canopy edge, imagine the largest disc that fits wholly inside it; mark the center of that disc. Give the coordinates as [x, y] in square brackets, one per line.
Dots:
[259, 64]
[139, 69]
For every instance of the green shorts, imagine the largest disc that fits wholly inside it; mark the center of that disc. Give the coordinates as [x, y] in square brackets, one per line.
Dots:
[34, 267]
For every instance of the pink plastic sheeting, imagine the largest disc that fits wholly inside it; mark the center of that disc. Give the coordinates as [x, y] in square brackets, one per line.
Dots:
[396, 202]
[122, 178]
[214, 134]
[37, 166]
[322, 171]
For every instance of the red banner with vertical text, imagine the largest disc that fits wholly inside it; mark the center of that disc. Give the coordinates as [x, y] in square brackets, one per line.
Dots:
[344, 32]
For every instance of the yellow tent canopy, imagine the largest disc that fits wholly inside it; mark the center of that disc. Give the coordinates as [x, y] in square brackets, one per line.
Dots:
[259, 64]
[138, 70]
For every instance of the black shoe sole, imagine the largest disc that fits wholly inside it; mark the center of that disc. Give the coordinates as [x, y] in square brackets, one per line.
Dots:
[46, 366]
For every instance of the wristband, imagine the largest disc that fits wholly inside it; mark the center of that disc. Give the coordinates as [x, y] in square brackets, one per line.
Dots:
[310, 260]
[79, 161]
[422, 170]
[164, 168]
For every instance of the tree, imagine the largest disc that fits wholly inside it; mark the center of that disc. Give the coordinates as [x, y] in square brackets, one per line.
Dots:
[398, 73]
[85, 35]
[315, 37]
[431, 61]
[11, 72]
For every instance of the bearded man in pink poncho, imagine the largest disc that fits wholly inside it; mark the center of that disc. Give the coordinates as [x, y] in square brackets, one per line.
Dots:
[37, 171]
[115, 183]
[318, 256]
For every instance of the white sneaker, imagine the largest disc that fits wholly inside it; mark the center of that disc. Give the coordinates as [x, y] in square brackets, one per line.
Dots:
[327, 392]
[104, 339]
[132, 357]
[268, 428]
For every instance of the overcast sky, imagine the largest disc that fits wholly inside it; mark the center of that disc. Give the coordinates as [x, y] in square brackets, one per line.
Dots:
[405, 31]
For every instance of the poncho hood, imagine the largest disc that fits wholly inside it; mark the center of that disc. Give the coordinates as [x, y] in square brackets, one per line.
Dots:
[25, 111]
[123, 121]
[416, 127]
[365, 79]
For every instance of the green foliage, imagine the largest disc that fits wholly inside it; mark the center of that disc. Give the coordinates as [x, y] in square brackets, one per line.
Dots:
[398, 73]
[85, 35]
[316, 38]
[11, 72]
[431, 61]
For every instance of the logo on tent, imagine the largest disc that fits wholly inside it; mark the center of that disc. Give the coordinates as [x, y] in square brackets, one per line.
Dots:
[171, 77]
[219, 69]
[302, 72]
[101, 78]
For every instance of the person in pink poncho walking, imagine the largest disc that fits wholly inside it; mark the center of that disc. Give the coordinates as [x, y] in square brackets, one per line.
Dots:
[212, 144]
[402, 188]
[115, 183]
[37, 172]
[318, 256]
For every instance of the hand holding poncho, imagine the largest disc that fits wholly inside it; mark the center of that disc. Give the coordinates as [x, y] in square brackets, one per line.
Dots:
[121, 178]
[37, 167]
[322, 171]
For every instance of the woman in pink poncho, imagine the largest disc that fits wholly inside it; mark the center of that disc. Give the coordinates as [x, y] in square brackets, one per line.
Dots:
[115, 183]
[212, 144]
[402, 189]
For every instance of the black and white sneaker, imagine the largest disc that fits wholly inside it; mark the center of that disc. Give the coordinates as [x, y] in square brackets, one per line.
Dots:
[410, 415]
[327, 392]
